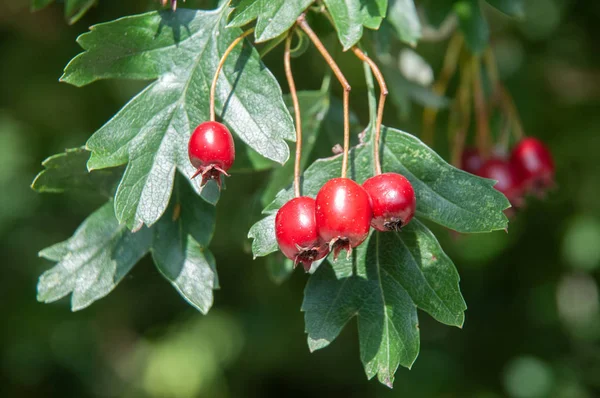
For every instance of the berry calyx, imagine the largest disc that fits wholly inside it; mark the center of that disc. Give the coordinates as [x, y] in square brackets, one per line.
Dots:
[393, 201]
[211, 151]
[296, 232]
[533, 161]
[471, 160]
[509, 180]
[343, 214]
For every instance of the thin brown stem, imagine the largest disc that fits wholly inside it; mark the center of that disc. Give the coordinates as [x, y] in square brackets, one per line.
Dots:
[213, 86]
[383, 92]
[290, 79]
[481, 112]
[301, 21]
[439, 87]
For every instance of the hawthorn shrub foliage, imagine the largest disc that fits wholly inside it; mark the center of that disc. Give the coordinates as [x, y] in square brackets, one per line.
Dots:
[139, 162]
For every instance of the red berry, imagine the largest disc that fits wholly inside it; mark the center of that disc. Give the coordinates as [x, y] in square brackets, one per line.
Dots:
[211, 151]
[533, 161]
[343, 214]
[509, 179]
[296, 232]
[471, 160]
[392, 200]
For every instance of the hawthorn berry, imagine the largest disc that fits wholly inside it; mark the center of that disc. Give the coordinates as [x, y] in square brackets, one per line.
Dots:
[343, 214]
[211, 151]
[533, 161]
[471, 160]
[509, 180]
[296, 232]
[393, 201]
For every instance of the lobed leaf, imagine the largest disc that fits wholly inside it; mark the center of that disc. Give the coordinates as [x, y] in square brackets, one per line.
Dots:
[274, 17]
[74, 9]
[179, 247]
[387, 278]
[102, 251]
[181, 50]
[93, 261]
[349, 17]
[67, 172]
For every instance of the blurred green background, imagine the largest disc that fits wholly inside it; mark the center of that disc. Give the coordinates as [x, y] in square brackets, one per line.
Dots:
[533, 324]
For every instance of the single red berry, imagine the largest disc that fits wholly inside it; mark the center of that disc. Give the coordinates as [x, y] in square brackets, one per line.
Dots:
[343, 214]
[509, 180]
[296, 232]
[211, 151]
[533, 161]
[471, 160]
[392, 200]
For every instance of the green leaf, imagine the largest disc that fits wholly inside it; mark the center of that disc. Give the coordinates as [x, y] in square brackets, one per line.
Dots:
[179, 247]
[445, 195]
[74, 9]
[373, 12]
[67, 172]
[181, 51]
[437, 11]
[274, 17]
[102, 251]
[403, 16]
[279, 268]
[349, 17]
[473, 25]
[513, 8]
[394, 274]
[263, 235]
[93, 261]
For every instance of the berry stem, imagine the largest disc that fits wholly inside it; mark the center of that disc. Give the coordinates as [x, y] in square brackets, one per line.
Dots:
[294, 95]
[506, 102]
[481, 113]
[460, 119]
[439, 87]
[213, 86]
[301, 21]
[383, 92]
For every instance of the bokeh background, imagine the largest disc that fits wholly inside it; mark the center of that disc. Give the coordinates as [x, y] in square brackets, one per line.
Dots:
[533, 324]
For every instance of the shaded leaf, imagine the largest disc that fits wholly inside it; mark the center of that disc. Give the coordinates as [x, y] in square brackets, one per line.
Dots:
[67, 171]
[93, 261]
[181, 50]
[388, 277]
[437, 11]
[74, 9]
[274, 17]
[279, 268]
[513, 8]
[179, 246]
[403, 16]
[473, 25]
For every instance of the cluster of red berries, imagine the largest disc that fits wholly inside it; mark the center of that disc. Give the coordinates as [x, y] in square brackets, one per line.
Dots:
[339, 218]
[529, 169]
[211, 151]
